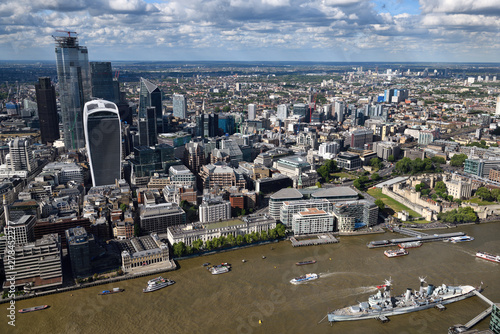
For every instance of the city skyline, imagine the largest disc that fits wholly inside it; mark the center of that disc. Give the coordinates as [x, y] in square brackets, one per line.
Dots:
[260, 30]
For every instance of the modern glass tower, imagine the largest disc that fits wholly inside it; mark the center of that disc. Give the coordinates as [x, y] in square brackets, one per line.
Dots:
[47, 110]
[150, 96]
[103, 141]
[103, 86]
[73, 73]
[179, 106]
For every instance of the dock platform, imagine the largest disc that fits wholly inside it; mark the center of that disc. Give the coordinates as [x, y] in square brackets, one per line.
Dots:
[321, 239]
[421, 237]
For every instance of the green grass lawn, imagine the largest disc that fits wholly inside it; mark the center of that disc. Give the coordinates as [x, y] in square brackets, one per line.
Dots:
[343, 174]
[479, 201]
[393, 204]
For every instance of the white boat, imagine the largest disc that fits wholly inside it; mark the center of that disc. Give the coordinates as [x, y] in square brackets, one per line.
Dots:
[459, 239]
[396, 252]
[220, 269]
[488, 256]
[303, 279]
[413, 244]
[157, 283]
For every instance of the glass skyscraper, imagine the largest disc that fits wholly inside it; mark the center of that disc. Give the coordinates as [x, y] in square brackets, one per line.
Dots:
[150, 96]
[47, 110]
[103, 141]
[179, 106]
[103, 86]
[74, 88]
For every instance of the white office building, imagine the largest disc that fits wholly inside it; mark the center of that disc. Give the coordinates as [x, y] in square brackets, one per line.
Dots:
[214, 210]
[251, 112]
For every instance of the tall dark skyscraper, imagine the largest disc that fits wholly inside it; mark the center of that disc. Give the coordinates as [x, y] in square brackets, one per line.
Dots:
[47, 110]
[207, 125]
[103, 141]
[150, 96]
[73, 73]
[103, 86]
[147, 128]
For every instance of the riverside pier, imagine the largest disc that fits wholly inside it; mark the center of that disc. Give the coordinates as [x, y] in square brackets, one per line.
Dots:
[422, 237]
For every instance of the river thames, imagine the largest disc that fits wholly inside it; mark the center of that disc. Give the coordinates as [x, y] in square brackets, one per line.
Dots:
[259, 289]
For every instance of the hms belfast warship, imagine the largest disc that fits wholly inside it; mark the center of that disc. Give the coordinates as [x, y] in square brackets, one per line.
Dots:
[383, 304]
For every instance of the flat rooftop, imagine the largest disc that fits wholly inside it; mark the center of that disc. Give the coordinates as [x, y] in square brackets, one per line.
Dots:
[335, 192]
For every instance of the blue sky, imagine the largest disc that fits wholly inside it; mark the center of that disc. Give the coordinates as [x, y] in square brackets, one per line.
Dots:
[249, 30]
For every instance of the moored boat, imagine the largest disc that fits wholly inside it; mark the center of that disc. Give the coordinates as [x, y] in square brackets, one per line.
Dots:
[413, 244]
[302, 263]
[459, 239]
[157, 283]
[303, 279]
[488, 256]
[108, 292]
[383, 304]
[35, 308]
[220, 269]
[396, 252]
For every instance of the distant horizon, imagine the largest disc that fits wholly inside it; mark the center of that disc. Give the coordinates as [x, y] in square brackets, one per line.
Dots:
[261, 61]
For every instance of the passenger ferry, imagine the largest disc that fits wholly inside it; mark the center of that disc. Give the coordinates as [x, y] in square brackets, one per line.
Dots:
[303, 279]
[459, 239]
[396, 252]
[488, 256]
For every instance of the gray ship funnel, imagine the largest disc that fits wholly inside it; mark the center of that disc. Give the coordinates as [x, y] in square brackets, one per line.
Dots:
[408, 294]
[430, 289]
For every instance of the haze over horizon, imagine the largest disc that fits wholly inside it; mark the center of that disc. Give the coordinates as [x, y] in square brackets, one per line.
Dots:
[256, 30]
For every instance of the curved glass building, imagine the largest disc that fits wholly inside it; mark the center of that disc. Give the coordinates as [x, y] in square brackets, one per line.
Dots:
[101, 121]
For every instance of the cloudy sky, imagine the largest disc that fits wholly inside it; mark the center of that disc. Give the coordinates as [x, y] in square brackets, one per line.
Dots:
[249, 30]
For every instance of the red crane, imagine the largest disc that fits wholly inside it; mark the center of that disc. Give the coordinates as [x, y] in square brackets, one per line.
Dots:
[68, 32]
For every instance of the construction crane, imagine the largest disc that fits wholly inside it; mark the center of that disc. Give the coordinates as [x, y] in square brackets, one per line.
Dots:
[68, 32]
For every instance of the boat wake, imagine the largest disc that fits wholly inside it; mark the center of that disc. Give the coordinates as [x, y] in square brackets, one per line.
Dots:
[357, 291]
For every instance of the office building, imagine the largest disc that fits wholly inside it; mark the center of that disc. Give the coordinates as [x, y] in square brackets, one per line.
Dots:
[351, 215]
[282, 112]
[204, 232]
[148, 128]
[37, 264]
[480, 167]
[220, 175]
[214, 210]
[80, 248]
[103, 86]
[329, 149]
[340, 111]
[207, 125]
[179, 106]
[300, 109]
[359, 138]
[138, 253]
[149, 160]
[73, 74]
[312, 220]
[23, 229]
[276, 200]
[290, 208]
[292, 166]
[251, 112]
[385, 149]
[194, 156]
[335, 194]
[349, 161]
[59, 226]
[21, 155]
[226, 124]
[149, 97]
[156, 218]
[47, 110]
[103, 139]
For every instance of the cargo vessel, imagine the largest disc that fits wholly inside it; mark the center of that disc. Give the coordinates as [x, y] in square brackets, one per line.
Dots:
[303, 279]
[488, 256]
[35, 308]
[157, 284]
[383, 304]
[396, 252]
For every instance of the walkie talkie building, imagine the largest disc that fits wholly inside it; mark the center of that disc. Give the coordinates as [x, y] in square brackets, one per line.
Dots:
[101, 121]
